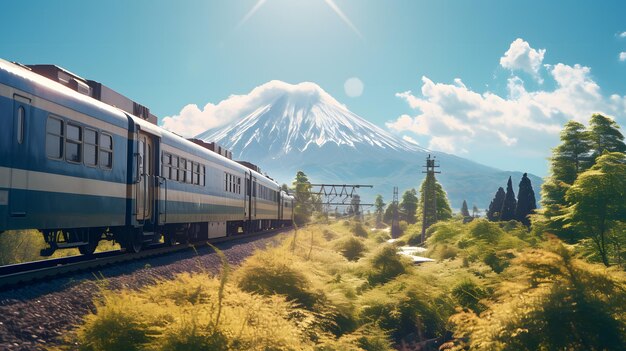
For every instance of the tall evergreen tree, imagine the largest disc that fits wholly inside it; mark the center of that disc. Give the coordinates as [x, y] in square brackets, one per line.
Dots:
[569, 159]
[379, 206]
[605, 136]
[408, 205]
[443, 205]
[304, 205]
[475, 211]
[493, 213]
[508, 207]
[388, 216]
[526, 202]
[464, 209]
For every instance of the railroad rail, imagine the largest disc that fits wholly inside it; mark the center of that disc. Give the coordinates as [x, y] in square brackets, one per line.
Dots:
[27, 273]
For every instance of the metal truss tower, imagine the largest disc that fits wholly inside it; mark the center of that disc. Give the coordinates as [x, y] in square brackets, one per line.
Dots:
[429, 207]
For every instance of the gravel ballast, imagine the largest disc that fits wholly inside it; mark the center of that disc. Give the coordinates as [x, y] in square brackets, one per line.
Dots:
[35, 316]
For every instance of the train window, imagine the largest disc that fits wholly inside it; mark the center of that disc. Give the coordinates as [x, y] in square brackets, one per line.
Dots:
[106, 151]
[73, 143]
[90, 147]
[181, 171]
[238, 185]
[165, 165]
[189, 173]
[20, 124]
[196, 173]
[174, 167]
[54, 138]
[202, 175]
[225, 181]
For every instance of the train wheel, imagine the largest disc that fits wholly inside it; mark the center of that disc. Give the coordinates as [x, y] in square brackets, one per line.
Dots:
[134, 241]
[90, 248]
[169, 239]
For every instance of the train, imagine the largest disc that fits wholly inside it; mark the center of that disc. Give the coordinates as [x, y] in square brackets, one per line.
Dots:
[81, 170]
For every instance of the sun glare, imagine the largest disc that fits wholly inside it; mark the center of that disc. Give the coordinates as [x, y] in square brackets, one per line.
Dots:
[330, 3]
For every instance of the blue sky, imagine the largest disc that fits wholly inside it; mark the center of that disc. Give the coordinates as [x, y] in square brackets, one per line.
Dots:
[432, 71]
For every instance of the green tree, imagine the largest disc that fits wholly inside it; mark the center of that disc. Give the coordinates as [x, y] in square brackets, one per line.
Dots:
[409, 205]
[508, 207]
[304, 203]
[379, 204]
[443, 206]
[569, 159]
[526, 202]
[493, 213]
[464, 209]
[605, 136]
[388, 216]
[597, 201]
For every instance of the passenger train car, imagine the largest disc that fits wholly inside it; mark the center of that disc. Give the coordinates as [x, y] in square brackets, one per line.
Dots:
[81, 171]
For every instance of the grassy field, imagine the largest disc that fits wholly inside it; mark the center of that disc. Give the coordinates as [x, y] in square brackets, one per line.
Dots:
[340, 286]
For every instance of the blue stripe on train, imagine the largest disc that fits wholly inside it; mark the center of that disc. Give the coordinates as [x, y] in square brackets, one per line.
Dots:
[48, 210]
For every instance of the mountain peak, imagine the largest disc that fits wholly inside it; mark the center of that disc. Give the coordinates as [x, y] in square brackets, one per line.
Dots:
[293, 118]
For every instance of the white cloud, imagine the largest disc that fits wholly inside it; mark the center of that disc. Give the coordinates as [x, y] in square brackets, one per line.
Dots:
[521, 56]
[622, 35]
[622, 56]
[453, 118]
[192, 120]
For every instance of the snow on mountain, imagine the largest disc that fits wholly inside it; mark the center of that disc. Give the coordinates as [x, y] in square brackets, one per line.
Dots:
[302, 127]
[302, 118]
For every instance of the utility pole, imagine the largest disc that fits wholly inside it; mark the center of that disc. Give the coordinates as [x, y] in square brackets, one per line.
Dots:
[395, 223]
[429, 207]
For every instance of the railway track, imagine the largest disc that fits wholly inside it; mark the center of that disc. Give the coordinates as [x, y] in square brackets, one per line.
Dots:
[17, 275]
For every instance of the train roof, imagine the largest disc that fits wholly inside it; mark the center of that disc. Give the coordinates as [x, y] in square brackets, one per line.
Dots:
[15, 75]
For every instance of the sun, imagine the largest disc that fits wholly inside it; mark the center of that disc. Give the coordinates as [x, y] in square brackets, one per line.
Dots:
[330, 3]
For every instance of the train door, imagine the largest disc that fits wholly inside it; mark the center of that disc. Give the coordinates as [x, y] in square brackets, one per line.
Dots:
[253, 199]
[144, 186]
[246, 198]
[18, 178]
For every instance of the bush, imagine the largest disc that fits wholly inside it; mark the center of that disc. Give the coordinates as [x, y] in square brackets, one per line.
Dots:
[482, 229]
[120, 324]
[358, 230]
[561, 303]
[385, 264]
[275, 272]
[352, 248]
[468, 294]
[329, 235]
[405, 311]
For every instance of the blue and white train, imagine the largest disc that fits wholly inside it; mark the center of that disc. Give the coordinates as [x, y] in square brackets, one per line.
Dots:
[81, 171]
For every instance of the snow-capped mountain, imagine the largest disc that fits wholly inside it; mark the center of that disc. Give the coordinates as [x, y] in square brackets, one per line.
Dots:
[301, 127]
[303, 119]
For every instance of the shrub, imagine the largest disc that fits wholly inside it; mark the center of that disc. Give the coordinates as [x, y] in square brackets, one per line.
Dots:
[358, 230]
[498, 261]
[404, 311]
[352, 248]
[329, 234]
[275, 272]
[468, 294]
[119, 324]
[482, 229]
[385, 264]
[189, 336]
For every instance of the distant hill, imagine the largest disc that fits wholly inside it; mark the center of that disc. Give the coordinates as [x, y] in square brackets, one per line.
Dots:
[301, 127]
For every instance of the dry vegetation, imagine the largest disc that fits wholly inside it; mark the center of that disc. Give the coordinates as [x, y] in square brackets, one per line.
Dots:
[19, 246]
[338, 286]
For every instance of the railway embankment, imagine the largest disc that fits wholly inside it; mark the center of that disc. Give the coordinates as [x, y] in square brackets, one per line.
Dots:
[38, 316]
